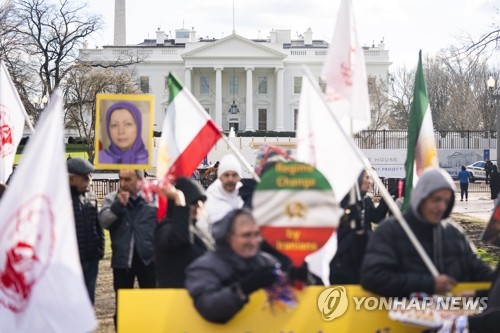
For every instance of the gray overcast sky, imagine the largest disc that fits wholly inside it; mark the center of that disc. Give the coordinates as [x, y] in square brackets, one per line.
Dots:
[405, 25]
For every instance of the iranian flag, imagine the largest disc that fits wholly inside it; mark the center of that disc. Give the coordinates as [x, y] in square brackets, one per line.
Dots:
[422, 151]
[188, 134]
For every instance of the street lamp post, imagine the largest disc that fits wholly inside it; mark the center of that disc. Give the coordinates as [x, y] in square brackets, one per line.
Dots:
[495, 97]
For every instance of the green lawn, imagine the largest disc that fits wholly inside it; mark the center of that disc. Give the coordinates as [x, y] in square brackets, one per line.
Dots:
[82, 154]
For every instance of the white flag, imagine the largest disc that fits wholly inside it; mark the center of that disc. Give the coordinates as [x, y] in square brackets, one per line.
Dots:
[12, 115]
[322, 143]
[345, 73]
[41, 281]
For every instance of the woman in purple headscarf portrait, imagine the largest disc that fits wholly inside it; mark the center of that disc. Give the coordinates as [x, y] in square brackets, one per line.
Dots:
[123, 126]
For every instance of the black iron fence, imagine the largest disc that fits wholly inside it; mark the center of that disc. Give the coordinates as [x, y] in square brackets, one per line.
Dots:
[101, 187]
[398, 139]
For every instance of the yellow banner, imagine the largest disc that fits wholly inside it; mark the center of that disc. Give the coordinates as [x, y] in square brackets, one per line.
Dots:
[319, 309]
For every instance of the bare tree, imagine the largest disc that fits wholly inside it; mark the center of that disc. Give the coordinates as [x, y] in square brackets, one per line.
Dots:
[483, 46]
[400, 91]
[82, 84]
[50, 35]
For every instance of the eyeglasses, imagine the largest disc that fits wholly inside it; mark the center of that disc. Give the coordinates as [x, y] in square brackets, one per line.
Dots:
[249, 235]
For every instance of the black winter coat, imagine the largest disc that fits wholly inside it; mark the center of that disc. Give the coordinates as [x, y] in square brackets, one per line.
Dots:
[89, 234]
[175, 247]
[131, 229]
[345, 266]
[392, 266]
[211, 281]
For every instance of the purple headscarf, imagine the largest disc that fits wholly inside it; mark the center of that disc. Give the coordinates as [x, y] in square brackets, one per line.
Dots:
[137, 154]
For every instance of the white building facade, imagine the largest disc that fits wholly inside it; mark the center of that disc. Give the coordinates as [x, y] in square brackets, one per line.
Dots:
[262, 76]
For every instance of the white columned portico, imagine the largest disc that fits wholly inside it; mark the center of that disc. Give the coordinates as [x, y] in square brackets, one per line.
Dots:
[249, 106]
[187, 78]
[279, 100]
[218, 96]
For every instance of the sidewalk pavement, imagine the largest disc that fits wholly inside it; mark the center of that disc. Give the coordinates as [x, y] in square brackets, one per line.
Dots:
[478, 206]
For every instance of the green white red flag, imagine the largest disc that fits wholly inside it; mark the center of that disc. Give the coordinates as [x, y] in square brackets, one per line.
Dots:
[422, 152]
[188, 134]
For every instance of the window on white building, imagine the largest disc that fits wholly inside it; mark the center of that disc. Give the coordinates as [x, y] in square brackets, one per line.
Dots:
[144, 82]
[166, 86]
[262, 80]
[233, 85]
[204, 85]
[297, 84]
[262, 120]
[295, 116]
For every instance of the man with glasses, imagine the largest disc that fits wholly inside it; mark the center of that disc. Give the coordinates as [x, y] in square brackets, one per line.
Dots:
[220, 282]
[89, 233]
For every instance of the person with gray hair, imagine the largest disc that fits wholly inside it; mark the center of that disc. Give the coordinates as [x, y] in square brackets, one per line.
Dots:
[391, 265]
[131, 222]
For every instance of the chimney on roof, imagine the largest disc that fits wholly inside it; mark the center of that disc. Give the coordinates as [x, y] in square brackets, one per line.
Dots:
[308, 37]
[160, 37]
[120, 23]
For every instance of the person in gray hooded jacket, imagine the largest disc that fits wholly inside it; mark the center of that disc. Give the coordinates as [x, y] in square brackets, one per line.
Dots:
[392, 266]
[219, 282]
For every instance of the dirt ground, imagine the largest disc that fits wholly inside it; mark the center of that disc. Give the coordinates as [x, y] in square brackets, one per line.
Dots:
[105, 298]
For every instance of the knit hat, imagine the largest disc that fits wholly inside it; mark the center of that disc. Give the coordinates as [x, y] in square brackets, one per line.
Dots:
[192, 190]
[229, 163]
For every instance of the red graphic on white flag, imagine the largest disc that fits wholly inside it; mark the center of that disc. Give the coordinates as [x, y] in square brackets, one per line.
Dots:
[27, 256]
[6, 142]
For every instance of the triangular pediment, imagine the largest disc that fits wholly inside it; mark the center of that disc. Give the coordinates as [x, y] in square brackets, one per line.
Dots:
[234, 46]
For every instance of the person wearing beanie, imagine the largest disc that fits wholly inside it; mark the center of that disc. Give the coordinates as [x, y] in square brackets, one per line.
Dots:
[178, 240]
[392, 267]
[221, 282]
[89, 234]
[222, 194]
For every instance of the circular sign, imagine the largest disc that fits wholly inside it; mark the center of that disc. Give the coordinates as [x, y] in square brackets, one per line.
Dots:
[295, 208]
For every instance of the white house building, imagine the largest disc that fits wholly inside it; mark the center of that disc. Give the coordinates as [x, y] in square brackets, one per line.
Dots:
[247, 84]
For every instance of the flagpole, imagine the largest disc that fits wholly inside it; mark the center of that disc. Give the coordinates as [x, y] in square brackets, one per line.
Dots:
[28, 121]
[383, 191]
[241, 158]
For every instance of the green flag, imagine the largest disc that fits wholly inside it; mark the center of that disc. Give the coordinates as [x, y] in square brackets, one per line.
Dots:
[422, 151]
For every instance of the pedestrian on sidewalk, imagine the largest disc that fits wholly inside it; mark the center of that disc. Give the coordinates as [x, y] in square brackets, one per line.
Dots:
[488, 167]
[494, 183]
[463, 176]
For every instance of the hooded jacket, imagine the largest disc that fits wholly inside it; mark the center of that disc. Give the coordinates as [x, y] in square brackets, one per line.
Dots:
[212, 279]
[392, 266]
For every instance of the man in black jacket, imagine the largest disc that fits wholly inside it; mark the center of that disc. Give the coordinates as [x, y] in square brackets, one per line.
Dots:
[89, 233]
[178, 241]
[392, 266]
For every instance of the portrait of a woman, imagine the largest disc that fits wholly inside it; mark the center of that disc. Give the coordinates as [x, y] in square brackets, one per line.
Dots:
[123, 127]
